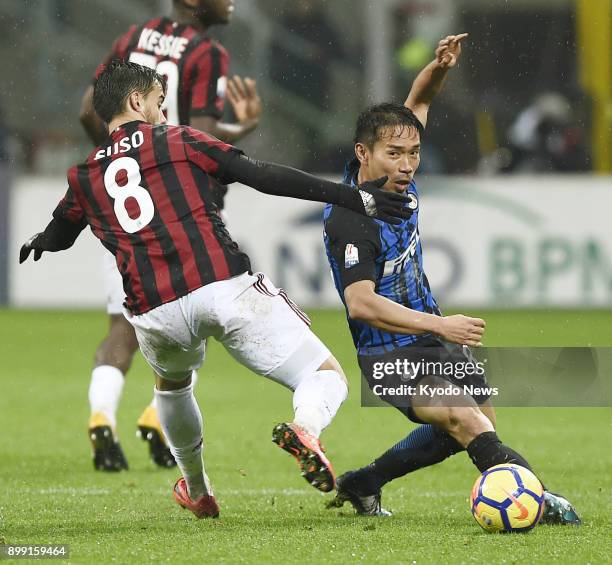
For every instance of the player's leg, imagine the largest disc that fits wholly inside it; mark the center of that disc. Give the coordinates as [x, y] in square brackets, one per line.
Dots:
[446, 431]
[181, 420]
[422, 447]
[475, 431]
[262, 329]
[174, 352]
[113, 359]
[318, 394]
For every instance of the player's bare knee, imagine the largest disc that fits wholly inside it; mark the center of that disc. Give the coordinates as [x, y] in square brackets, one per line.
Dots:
[331, 364]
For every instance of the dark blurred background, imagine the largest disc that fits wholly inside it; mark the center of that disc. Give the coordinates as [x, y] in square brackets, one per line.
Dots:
[524, 97]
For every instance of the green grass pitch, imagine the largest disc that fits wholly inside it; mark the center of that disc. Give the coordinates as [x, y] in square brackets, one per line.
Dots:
[49, 492]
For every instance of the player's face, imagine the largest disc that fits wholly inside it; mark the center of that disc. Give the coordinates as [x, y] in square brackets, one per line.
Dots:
[151, 106]
[395, 155]
[213, 12]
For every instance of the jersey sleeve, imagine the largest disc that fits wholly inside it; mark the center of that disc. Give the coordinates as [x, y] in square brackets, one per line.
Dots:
[69, 209]
[118, 51]
[209, 84]
[209, 153]
[354, 244]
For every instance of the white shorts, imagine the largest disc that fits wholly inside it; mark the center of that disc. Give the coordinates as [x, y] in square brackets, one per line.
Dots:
[255, 321]
[113, 284]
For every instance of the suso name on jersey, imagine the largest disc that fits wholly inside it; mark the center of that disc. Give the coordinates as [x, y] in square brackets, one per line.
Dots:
[162, 45]
[121, 146]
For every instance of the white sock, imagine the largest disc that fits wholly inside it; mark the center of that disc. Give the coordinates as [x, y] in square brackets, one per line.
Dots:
[105, 391]
[181, 421]
[317, 399]
[194, 380]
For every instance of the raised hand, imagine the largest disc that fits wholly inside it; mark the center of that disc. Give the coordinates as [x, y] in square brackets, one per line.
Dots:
[387, 206]
[449, 50]
[462, 330]
[243, 96]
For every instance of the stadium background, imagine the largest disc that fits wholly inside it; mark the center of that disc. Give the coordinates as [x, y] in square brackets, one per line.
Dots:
[515, 223]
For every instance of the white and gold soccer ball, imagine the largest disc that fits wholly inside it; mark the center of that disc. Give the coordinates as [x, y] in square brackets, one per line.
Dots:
[507, 498]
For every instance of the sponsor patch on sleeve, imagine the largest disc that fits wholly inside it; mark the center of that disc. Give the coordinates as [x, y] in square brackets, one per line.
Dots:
[351, 256]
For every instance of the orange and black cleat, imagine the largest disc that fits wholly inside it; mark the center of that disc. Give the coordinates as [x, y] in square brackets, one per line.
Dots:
[204, 507]
[308, 451]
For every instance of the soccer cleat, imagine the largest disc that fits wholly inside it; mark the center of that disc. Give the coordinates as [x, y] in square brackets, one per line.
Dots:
[364, 504]
[558, 510]
[149, 430]
[308, 451]
[107, 452]
[204, 507]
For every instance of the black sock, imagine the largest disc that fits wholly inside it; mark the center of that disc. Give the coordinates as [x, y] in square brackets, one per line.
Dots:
[487, 450]
[424, 446]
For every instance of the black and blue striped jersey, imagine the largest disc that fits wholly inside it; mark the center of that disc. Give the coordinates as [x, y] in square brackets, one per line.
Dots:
[361, 248]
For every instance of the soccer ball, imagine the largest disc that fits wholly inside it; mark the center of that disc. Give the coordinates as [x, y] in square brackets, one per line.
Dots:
[507, 498]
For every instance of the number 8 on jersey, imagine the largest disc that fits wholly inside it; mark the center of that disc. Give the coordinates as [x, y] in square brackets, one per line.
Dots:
[131, 189]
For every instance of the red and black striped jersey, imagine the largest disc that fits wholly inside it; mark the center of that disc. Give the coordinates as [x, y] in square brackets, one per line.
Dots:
[146, 193]
[195, 66]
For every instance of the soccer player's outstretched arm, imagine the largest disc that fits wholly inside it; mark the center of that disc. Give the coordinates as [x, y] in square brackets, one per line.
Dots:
[367, 199]
[61, 233]
[230, 165]
[429, 81]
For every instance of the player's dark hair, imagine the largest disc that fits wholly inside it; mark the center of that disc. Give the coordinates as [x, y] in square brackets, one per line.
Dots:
[373, 120]
[117, 81]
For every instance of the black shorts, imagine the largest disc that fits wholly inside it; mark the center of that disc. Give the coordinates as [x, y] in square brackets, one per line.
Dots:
[416, 365]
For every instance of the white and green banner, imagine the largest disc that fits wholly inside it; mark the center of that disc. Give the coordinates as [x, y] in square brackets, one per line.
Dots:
[499, 242]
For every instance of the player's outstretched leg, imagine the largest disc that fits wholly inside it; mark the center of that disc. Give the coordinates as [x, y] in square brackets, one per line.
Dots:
[265, 331]
[424, 446]
[181, 422]
[316, 399]
[113, 359]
